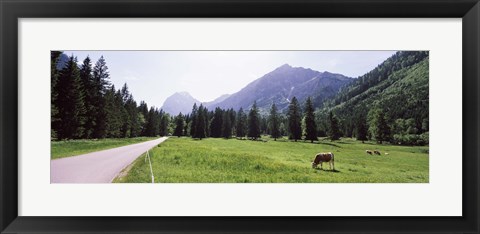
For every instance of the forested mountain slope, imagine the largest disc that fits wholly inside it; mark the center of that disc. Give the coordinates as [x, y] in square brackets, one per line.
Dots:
[398, 88]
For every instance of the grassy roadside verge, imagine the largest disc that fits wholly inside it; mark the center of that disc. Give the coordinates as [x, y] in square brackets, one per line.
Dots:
[184, 160]
[62, 149]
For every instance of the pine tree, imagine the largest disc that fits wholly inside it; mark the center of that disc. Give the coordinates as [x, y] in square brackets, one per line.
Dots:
[122, 114]
[86, 76]
[157, 121]
[201, 122]
[101, 84]
[241, 124]
[310, 125]
[164, 123]
[206, 118]
[233, 120]
[101, 75]
[193, 123]
[143, 118]
[113, 112]
[334, 132]
[362, 130]
[217, 123]
[294, 120]
[126, 116]
[179, 125]
[152, 122]
[187, 123]
[71, 108]
[253, 122]
[132, 110]
[378, 125]
[274, 122]
[227, 125]
[54, 74]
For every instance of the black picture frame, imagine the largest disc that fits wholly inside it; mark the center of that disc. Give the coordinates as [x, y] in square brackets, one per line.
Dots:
[11, 11]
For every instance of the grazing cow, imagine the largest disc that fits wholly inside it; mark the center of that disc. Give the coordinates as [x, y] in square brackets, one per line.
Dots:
[377, 152]
[369, 152]
[320, 158]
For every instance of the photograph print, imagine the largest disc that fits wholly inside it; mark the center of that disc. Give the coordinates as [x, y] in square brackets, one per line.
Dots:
[239, 117]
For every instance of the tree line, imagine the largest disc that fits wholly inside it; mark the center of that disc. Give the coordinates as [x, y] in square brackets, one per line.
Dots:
[228, 123]
[85, 105]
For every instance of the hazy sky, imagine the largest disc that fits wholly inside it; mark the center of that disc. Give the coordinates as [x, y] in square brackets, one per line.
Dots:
[153, 76]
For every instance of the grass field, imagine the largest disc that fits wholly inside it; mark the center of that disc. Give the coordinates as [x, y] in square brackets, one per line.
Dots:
[185, 160]
[61, 149]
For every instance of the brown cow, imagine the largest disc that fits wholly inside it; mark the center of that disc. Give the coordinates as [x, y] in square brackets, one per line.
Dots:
[324, 157]
[369, 152]
[377, 152]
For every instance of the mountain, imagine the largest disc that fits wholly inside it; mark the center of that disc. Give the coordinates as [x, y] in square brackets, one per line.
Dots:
[281, 85]
[398, 86]
[216, 101]
[179, 102]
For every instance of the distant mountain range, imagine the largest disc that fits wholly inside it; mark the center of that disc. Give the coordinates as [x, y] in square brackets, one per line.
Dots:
[217, 100]
[278, 86]
[181, 102]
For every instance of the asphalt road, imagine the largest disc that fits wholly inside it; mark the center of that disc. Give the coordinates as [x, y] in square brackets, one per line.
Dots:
[98, 167]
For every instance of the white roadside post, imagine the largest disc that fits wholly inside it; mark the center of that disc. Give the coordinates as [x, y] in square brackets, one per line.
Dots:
[151, 170]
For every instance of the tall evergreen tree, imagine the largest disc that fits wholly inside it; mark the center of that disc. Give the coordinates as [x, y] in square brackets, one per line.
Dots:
[101, 84]
[86, 76]
[113, 113]
[132, 111]
[294, 120]
[361, 128]
[217, 123]
[193, 122]
[241, 124]
[233, 119]
[164, 123]
[152, 122]
[201, 123]
[143, 117]
[179, 125]
[274, 122]
[158, 121]
[127, 120]
[334, 132]
[227, 125]
[253, 122]
[54, 74]
[378, 125]
[310, 125]
[102, 75]
[185, 126]
[207, 116]
[71, 108]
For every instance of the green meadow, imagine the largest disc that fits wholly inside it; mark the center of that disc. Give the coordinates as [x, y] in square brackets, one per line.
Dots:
[216, 160]
[67, 148]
